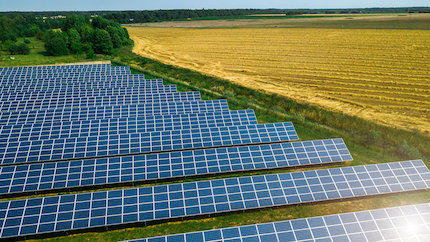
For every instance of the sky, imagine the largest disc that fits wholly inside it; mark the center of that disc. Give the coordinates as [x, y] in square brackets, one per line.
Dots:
[84, 5]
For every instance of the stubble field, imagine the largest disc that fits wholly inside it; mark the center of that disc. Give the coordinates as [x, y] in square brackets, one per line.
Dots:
[381, 75]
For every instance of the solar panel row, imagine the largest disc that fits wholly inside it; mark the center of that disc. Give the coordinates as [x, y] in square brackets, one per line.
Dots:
[142, 124]
[74, 87]
[112, 145]
[72, 74]
[106, 208]
[107, 112]
[59, 67]
[56, 103]
[90, 93]
[4, 72]
[114, 83]
[78, 79]
[64, 72]
[405, 223]
[74, 93]
[140, 168]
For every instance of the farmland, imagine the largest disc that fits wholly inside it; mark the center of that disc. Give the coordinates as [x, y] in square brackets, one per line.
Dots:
[380, 75]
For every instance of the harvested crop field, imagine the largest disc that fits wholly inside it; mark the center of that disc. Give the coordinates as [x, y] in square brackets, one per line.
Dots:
[380, 75]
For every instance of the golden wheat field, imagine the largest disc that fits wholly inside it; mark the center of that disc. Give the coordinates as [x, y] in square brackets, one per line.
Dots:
[380, 75]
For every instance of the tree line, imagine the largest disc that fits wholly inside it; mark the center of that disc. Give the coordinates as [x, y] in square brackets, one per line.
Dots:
[74, 34]
[125, 17]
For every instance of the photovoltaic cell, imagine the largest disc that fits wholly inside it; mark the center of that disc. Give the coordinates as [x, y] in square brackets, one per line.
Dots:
[108, 112]
[61, 103]
[405, 223]
[114, 207]
[70, 174]
[96, 146]
[142, 124]
[73, 93]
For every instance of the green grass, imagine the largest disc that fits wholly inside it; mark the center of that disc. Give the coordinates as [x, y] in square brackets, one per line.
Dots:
[416, 24]
[310, 122]
[37, 56]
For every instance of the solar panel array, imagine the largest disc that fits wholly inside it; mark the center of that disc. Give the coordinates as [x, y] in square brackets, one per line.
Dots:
[88, 126]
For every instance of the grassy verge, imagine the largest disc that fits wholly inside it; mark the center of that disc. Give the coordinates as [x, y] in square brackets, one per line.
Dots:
[368, 143]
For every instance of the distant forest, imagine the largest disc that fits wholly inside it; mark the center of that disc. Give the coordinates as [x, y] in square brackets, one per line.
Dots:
[125, 17]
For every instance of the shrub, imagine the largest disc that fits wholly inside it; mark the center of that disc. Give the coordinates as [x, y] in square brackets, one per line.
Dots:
[19, 49]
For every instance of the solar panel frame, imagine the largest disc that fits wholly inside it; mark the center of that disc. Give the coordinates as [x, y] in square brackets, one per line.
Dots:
[61, 103]
[137, 205]
[107, 112]
[144, 168]
[141, 124]
[138, 143]
[403, 223]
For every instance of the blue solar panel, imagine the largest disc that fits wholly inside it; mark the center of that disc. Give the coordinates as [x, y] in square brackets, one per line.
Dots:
[405, 223]
[71, 79]
[76, 87]
[56, 67]
[61, 103]
[96, 146]
[107, 112]
[72, 174]
[64, 72]
[101, 71]
[73, 93]
[113, 83]
[106, 208]
[142, 124]
[64, 75]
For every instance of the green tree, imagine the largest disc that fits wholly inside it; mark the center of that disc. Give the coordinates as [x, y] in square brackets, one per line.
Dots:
[19, 49]
[86, 32]
[101, 42]
[31, 30]
[75, 44]
[55, 43]
[100, 23]
[115, 34]
[73, 22]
